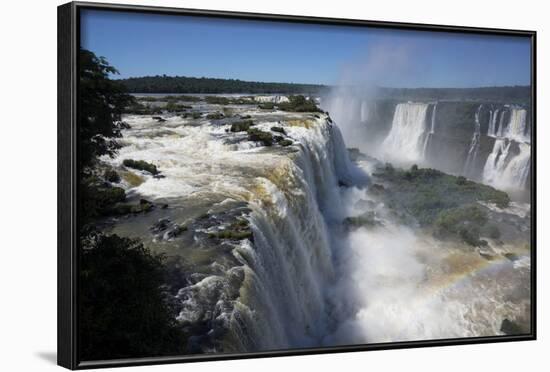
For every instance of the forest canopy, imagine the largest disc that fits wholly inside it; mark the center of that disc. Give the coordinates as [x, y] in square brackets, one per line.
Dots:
[182, 84]
[203, 85]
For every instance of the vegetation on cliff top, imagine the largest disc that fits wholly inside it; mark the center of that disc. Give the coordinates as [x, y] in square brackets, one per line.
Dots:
[299, 104]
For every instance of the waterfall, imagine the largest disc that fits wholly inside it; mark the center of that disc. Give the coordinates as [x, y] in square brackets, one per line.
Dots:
[501, 124]
[365, 113]
[517, 127]
[496, 161]
[516, 172]
[492, 130]
[502, 168]
[469, 166]
[249, 295]
[290, 264]
[408, 128]
[430, 133]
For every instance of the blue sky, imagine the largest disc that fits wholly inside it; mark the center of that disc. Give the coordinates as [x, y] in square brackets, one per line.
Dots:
[147, 44]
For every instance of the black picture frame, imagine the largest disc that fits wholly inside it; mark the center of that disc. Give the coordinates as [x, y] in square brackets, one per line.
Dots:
[68, 46]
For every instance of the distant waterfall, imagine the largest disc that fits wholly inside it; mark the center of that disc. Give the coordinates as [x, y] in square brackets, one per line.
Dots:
[491, 129]
[517, 127]
[430, 133]
[474, 145]
[365, 112]
[404, 140]
[505, 169]
[501, 124]
[496, 162]
[517, 171]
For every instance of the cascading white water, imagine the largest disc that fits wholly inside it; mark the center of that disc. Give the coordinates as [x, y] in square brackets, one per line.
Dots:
[503, 169]
[290, 263]
[430, 133]
[502, 124]
[291, 257]
[491, 130]
[496, 162]
[404, 141]
[517, 126]
[517, 170]
[365, 112]
[474, 146]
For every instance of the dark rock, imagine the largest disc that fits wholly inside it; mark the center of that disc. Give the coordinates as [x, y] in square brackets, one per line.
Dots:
[174, 231]
[161, 225]
[279, 130]
[343, 184]
[488, 257]
[241, 126]
[376, 188]
[510, 327]
[215, 116]
[367, 219]
[159, 119]
[256, 135]
[141, 165]
[511, 256]
[238, 230]
[354, 154]
[112, 176]
[129, 208]
[266, 106]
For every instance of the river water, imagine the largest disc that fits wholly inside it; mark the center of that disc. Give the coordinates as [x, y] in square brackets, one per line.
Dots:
[303, 280]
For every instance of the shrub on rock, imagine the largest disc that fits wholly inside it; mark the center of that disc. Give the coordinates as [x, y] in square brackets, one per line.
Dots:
[141, 165]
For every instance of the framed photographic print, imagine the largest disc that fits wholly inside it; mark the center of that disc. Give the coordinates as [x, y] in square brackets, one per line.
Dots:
[236, 185]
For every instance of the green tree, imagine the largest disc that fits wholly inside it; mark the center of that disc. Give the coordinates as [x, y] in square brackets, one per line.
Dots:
[123, 312]
[101, 102]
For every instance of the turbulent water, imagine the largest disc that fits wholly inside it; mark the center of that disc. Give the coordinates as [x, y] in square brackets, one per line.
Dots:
[304, 280]
[292, 194]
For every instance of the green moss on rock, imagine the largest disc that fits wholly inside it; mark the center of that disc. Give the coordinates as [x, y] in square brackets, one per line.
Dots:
[241, 126]
[141, 165]
[299, 103]
[112, 176]
[257, 135]
[238, 230]
[215, 116]
[266, 106]
[367, 219]
[279, 130]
